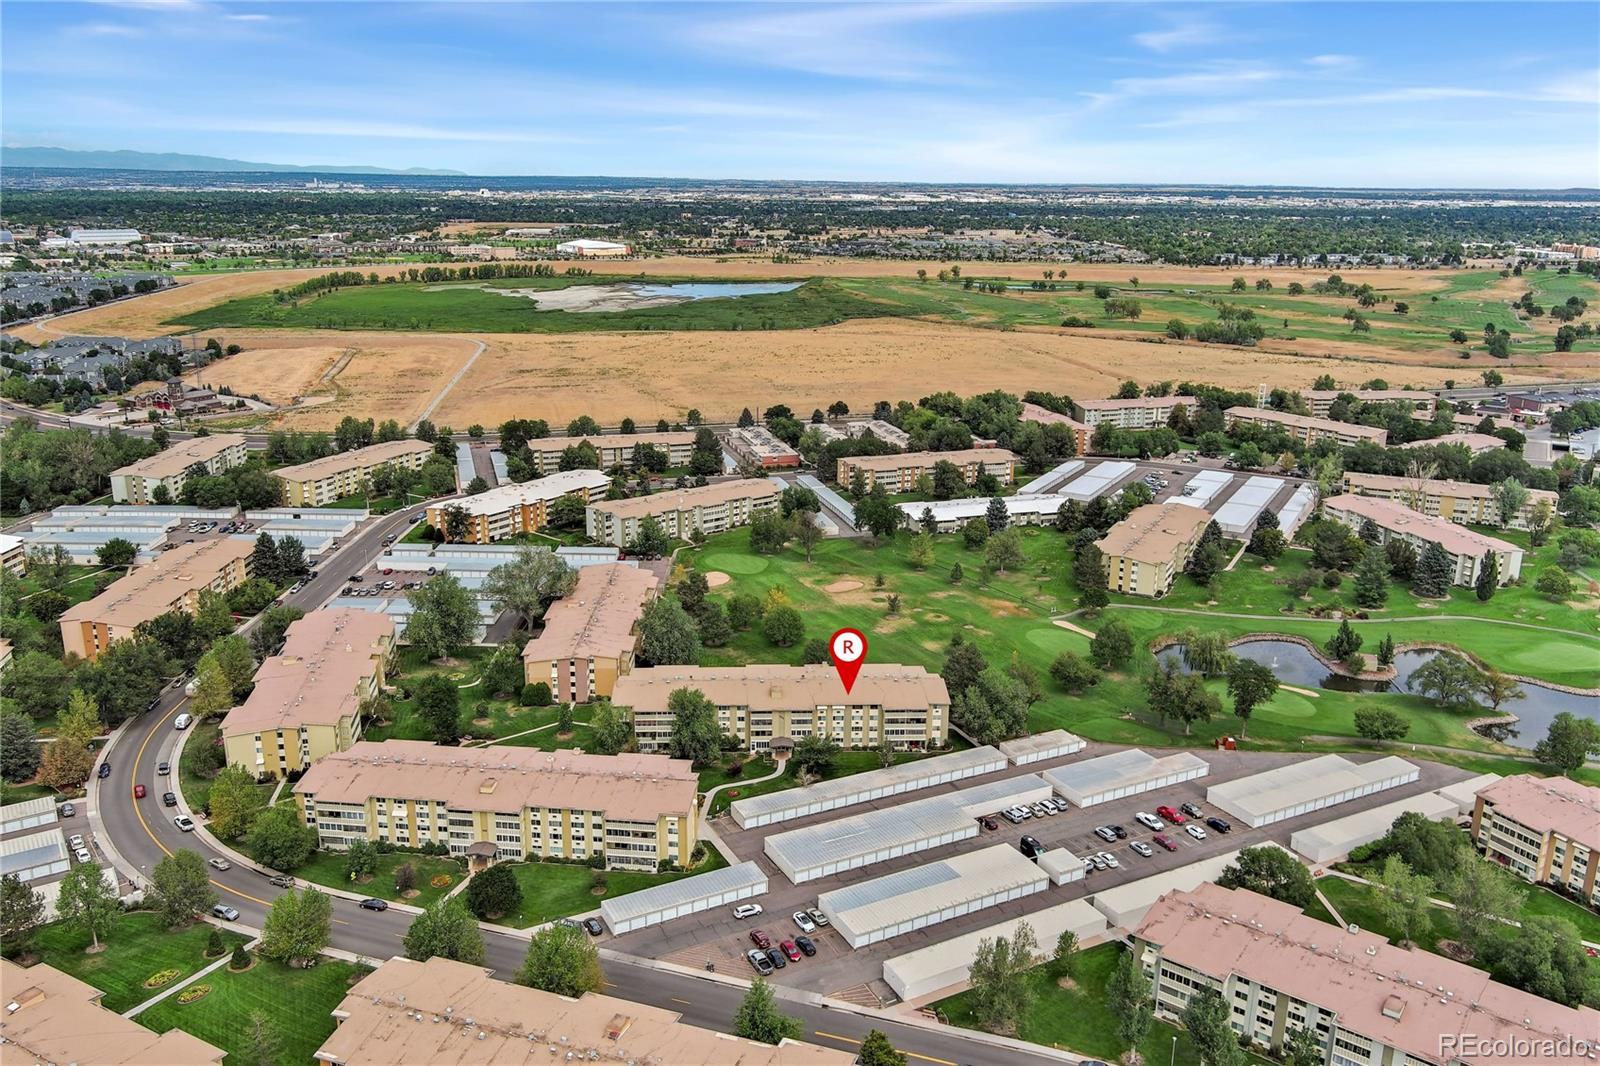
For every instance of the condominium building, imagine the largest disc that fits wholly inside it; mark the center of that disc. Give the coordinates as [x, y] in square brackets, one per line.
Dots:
[1032, 412]
[1476, 443]
[1421, 403]
[682, 512]
[901, 471]
[138, 481]
[342, 474]
[1145, 552]
[763, 705]
[308, 698]
[1143, 412]
[614, 448]
[173, 581]
[518, 507]
[13, 553]
[388, 1017]
[1545, 829]
[1465, 547]
[887, 432]
[1305, 428]
[503, 802]
[1455, 501]
[589, 638]
[1368, 1002]
[759, 447]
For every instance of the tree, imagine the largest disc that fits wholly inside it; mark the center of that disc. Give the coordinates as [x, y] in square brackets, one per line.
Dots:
[277, 839]
[37, 682]
[1304, 1047]
[1487, 899]
[1546, 958]
[1402, 897]
[21, 915]
[439, 707]
[920, 554]
[975, 534]
[232, 655]
[1386, 651]
[758, 1017]
[1498, 688]
[1448, 679]
[652, 540]
[1431, 848]
[213, 691]
[117, 552]
[963, 663]
[1488, 577]
[360, 861]
[1089, 571]
[264, 559]
[1372, 578]
[1250, 684]
[1178, 696]
[807, 532]
[560, 960]
[445, 930]
[1004, 551]
[1554, 583]
[877, 1051]
[1344, 643]
[784, 626]
[993, 708]
[528, 583]
[405, 878]
[1206, 652]
[181, 887]
[1073, 672]
[1129, 997]
[1112, 646]
[86, 901]
[1435, 572]
[667, 634]
[1208, 1019]
[234, 803]
[1380, 723]
[1066, 953]
[814, 756]
[298, 926]
[1001, 993]
[444, 616]
[1270, 871]
[262, 1045]
[19, 746]
[995, 516]
[1510, 496]
[271, 625]
[877, 515]
[612, 730]
[65, 764]
[493, 892]
[536, 694]
[1570, 741]
[695, 734]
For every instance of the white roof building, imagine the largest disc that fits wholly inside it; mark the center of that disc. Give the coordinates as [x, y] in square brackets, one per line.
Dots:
[1333, 840]
[859, 788]
[1122, 774]
[1302, 787]
[917, 974]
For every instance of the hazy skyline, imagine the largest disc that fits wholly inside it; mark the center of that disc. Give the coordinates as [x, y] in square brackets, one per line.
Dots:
[1437, 94]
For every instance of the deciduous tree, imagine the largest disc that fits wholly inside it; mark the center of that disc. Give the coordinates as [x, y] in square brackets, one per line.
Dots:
[562, 961]
[181, 887]
[445, 930]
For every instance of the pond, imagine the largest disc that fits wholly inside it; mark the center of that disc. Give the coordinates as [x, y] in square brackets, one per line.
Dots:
[631, 295]
[1296, 665]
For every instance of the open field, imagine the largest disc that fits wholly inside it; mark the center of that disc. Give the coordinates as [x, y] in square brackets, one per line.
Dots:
[138, 946]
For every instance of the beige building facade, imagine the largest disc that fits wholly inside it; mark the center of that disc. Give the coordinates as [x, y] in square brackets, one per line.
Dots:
[1145, 552]
[589, 636]
[213, 454]
[1144, 412]
[708, 509]
[1465, 547]
[516, 508]
[1544, 829]
[1421, 403]
[900, 472]
[615, 448]
[333, 477]
[1455, 501]
[1305, 428]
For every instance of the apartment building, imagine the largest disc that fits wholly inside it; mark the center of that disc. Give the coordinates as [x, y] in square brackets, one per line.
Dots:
[1454, 501]
[614, 448]
[1369, 1003]
[321, 481]
[900, 472]
[516, 508]
[765, 704]
[1032, 412]
[589, 637]
[501, 802]
[1421, 403]
[1544, 829]
[759, 447]
[1465, 547]
[681, 512]
[1145, 552]
[173, 581]
[1144, 412]
[887, 432]
[387, 1018]
[1476, 443]
[52, 1017]
[308, 698]
[13, 553]
[138, 481]
[1305, 428]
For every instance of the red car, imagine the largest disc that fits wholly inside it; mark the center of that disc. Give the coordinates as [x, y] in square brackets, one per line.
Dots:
[138, 792]
[1165, 842]
[760, 939]
[790, 950]
[1171, 814]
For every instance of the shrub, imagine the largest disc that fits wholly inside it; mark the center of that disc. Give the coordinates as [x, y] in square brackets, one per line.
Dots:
[537, 694]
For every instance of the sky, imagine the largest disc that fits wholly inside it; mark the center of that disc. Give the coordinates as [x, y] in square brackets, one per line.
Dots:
[1459, 95]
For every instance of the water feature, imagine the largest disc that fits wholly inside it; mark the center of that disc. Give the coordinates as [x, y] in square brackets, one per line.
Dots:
[628, 295]
[712, 290]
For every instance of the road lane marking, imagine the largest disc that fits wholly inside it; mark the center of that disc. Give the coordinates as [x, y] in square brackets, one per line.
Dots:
[907, 1054]
[685, 1002]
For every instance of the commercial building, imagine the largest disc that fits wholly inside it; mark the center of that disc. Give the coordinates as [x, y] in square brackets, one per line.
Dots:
[585, 248]
[1332, 841]
[52, 1017]
[173, 582]
[1368, 1002]
[1145, 552]
[345, 473]
[900, 472]
[1476, 443]
[308, 698]
[1421, 403]
[517, 507]
[502, 802]
[1144, 412]
[756, 811]
[1465, 547]
[1037, 747]
[613, 448]
[1306, 428]
[887, 432]
[682, 512]
[759, 447]
[1454, 501]
[588, 638]
[684, 896]
[1122, 774]
[903, 902]
[448, 1013]
[765, 705]
[138, 481]
[1302, 787]
[1032, 412]
[918, 974]
[1544, 829]
[102, 237]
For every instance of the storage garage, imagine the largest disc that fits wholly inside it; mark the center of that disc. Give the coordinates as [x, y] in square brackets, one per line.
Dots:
[1124, 906]
[688, 895]
[1097, 481]
[859, 788]
[29, 814]
[920, 973]
[902, 902]
[1302, 787]
[1334, 840]
[1062, 866]
[1464, 794]
[34, 857]
[869, 837]
[1121, 774]
[1047, 481]
[1041, 746]
[998, 795]
[1238, 516]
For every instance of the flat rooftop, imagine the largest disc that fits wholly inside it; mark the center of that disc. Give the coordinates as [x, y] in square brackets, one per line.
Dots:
[928, 889]
[1396, 517]
[1549, 804]
[337, 463]
[181, 456]
[151, 589]
[1154, 533]
[596, 619]
[327, 658]
[1321, 425]
[774, 687]
[902, 460]
[540, 490]
[754, 488]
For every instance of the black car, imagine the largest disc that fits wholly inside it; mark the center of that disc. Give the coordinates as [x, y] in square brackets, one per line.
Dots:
[1121, 833]
[775, 957]
[593, 927]
[988, 823]
[1192, 810]
[105, 769]
[169, 799]
[807, 948]
[1219, 825]
[1031, 847]
[374, 905]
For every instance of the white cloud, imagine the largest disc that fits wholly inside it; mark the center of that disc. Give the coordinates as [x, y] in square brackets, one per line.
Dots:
[1186, 34]
[249, 17]
[1333, 61]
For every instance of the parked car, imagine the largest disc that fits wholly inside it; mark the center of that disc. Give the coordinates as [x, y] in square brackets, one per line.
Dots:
[1170, 815]
[139, 792]
[184, 822]
[1010, 814]
[105, 770]
[1192, 810]
[776, 958]
[1097, 862]
[817, 916]
[68, 810]
[1221, 825]
[1141, 848]
[370, 904]
[1164, 842]
[1038, 810]
[593, 927]
[1111, 860]
[219, 864]
[169, 799]
[790, 950]
[1121, 833]
[747, 910]
[163, 769]
[1031, 847]
[1150, 821]
[182, 721]
[82, 855]
[225, 912]
[807, 948]
[803, 920]
[281, 881]
[758, 962]
[760, 939]
[1105, 833]
[75, 841]
[1195, 831]
[988, 823]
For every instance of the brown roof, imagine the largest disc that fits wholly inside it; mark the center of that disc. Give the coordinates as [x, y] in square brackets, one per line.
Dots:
[1473, 442]
[1032, 412]
[669, 439]
[1411, 1000]
[764, 687]
[1325, 425]
[182, 455]
[152, 589]
[1396, 517]
[1150, 534]
[1461, 490]
[1550, 804]
[59, 1019]
[597, 619]
[688, 499]
[448, 1013]
[326, 657]
[503, 778]
[902, 460]
[371, 455]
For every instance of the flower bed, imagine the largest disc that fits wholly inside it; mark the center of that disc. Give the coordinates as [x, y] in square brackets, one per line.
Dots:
[161, 977]
[193, 993]
[442, 881]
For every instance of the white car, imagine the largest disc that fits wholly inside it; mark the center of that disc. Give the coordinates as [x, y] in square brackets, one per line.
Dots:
[184, 822]
[76, 840]
[1110, 859]
[747, 910]
[219, 864]
[1195, 831]
[82, 855]
[1150, 821]
[803, 920]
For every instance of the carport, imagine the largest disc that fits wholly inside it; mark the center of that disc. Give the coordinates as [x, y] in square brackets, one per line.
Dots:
[688, 895]
[1123, 773]
[1300, 788]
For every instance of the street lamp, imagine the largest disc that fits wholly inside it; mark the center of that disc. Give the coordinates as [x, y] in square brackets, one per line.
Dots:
[1173, 1060]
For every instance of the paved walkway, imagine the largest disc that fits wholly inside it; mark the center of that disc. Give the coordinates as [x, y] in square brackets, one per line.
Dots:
[226, 958]
[455, 379]
[706, 830]
[509, 736]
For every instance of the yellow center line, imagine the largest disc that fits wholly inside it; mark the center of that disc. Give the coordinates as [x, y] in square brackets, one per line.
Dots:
[907, 1054]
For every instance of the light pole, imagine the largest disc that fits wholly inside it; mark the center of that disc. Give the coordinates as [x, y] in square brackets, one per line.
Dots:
[1173, 1060]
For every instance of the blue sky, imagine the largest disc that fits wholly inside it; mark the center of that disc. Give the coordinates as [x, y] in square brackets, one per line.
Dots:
[1375, 94]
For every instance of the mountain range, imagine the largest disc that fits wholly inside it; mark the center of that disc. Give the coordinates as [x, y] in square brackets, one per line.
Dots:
[27, 156]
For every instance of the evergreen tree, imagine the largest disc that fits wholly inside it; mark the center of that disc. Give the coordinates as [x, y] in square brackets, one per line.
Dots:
[1488, 577]
[1372, 578]
[1435, 572]
[995, 516]
[1386, 651]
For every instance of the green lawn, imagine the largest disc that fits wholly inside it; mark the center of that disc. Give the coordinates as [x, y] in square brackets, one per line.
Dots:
[75, 582]
[1536, 901]
[139, 945]
[298, 1004]
[327, 868]
[196, 788]
[553, 890]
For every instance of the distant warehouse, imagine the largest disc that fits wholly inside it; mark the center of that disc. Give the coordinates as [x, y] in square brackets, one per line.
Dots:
[586, 248]
[140, 482]
[682, 512]
[344, 473]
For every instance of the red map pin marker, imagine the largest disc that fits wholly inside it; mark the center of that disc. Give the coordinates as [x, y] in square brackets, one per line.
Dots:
[849, 650]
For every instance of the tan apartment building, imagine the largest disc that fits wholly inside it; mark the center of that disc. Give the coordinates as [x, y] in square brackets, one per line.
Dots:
[1032, 412]
[1145, 552]
[321, 481]
[1144, 412]
[1544, 829]
[1306, 428]
[682, 512]
[765, 704]
[589, 636]
[137, 482]
[900, 472]
[1454, 501]
[1476, 443]
[1465, 547]
[502, 802]
[171, 582]
[614, 448]
[308, 698]
[13, 553]
[1368, 1002]
[759, 447]
[1421, 403]
[519, 508]
[386, 1018]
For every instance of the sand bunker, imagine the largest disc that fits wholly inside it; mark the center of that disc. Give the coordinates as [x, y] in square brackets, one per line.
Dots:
[842, 586]
[623, 296]
[716, 579]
